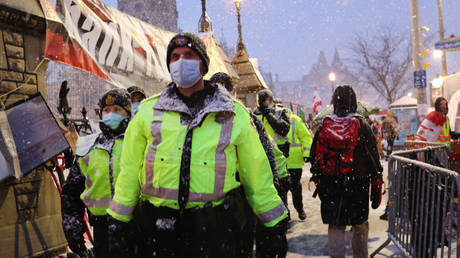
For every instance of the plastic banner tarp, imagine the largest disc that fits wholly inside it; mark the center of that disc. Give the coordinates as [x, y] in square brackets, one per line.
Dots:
[99, 39]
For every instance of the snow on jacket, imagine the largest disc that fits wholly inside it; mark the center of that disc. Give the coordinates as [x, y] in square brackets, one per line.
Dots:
[345, 199]
[431, 127]
[90, 182]
[222, 141]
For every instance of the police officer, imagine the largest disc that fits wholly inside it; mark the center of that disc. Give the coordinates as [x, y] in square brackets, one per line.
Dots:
[179, 162]
[137, 95]
[276, 124]
[245, 238]
[91, 180]
[299, 152]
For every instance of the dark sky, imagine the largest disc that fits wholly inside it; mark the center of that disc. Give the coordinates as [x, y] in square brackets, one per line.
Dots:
[287, 35]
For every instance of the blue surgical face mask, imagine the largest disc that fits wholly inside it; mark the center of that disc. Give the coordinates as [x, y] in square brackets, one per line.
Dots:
[134, 107]
[185, 72]
[112, 120]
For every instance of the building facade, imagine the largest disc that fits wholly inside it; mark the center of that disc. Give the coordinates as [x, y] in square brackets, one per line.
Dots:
[160, 13]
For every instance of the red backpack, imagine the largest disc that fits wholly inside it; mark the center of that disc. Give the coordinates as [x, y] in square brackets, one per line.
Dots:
[336, 143]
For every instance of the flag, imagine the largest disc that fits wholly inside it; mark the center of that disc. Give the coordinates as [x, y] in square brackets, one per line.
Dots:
[316, 100]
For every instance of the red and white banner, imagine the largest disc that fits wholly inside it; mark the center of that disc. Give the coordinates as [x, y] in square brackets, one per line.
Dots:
[99, 39]
[316, 100]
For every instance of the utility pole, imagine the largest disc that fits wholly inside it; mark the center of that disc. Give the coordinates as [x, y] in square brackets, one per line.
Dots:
[417, 61]
[441, 37]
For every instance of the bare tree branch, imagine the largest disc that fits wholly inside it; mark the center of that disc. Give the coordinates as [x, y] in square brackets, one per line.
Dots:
[382, 61]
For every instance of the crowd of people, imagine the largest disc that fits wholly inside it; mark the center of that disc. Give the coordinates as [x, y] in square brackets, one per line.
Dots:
[192, 172]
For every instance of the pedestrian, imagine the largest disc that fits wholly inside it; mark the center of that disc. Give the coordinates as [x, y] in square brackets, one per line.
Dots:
[276, 124]
[436, 127]
[245, 238]
[299, 153]
[389, 131]
[137, 95]
[91, 181]
[179, 163]
[344, 161]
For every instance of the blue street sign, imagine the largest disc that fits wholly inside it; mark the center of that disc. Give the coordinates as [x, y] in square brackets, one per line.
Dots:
[420, 79]
[451, 44]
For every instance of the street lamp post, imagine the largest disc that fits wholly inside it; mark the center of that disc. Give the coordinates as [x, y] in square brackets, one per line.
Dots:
[332, 79]
[441, 37]
[204, 24]
[240, 37]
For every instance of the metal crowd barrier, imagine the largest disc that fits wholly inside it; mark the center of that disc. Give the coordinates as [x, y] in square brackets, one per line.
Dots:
[423, 202]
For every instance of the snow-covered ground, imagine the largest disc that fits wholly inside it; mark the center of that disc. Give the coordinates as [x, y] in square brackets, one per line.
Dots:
[309, 238]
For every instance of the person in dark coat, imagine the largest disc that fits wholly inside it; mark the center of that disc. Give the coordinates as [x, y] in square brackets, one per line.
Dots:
[245, 238]
[344, 192]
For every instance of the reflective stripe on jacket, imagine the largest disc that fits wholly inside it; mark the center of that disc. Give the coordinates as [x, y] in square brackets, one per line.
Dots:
[301, 140]
[444, 137]
[101, 167]
[223, 138]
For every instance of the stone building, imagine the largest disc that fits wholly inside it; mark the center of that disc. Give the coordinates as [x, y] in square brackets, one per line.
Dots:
[160, 13]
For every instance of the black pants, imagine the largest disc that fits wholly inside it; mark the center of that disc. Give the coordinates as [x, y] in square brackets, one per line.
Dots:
[296, 188]
[390, 142]
[245, 237]
[101, 237]
[187, 244]
[283, 190]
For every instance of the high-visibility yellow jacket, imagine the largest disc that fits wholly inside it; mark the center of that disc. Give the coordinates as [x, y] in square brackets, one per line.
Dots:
[444, 136]
[99, 162]
[280, 159]
[223, 140]
[278, 139]
[300, 139]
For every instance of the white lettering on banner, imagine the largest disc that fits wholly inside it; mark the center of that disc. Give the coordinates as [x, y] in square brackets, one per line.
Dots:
[126, 60]
[71, 16]
[104, 49]
[90, 38]
[115, 46]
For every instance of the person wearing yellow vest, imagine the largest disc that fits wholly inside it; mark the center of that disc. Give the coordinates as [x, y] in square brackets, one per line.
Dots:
[245, 238]
[92, 178]
[179, 162]
[435, 126]
[276, 124]
[299, 152]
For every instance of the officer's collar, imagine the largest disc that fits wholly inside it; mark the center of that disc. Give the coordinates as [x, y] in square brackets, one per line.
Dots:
[219, 101]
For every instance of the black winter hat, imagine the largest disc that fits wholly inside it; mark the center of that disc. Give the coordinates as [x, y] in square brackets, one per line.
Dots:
[344, 100]
[264, 95]
[118, 97]
[135, 89]
[437, 104]
[224, 79]
[192, 41]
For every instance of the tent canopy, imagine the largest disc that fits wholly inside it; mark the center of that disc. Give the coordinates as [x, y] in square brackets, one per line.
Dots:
[404, 102]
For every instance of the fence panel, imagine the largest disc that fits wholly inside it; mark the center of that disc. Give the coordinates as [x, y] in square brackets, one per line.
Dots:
[423, 198]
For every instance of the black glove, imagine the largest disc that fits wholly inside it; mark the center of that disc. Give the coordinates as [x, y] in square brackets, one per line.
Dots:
[306, 159]
[276, 237]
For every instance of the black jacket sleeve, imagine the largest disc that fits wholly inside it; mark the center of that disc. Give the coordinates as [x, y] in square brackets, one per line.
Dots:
[279, 124]
[266, 144]
[313, 151]
[72, 207]
[370, 156]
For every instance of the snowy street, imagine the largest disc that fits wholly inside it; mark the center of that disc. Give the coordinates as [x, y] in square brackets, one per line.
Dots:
[309, 238]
